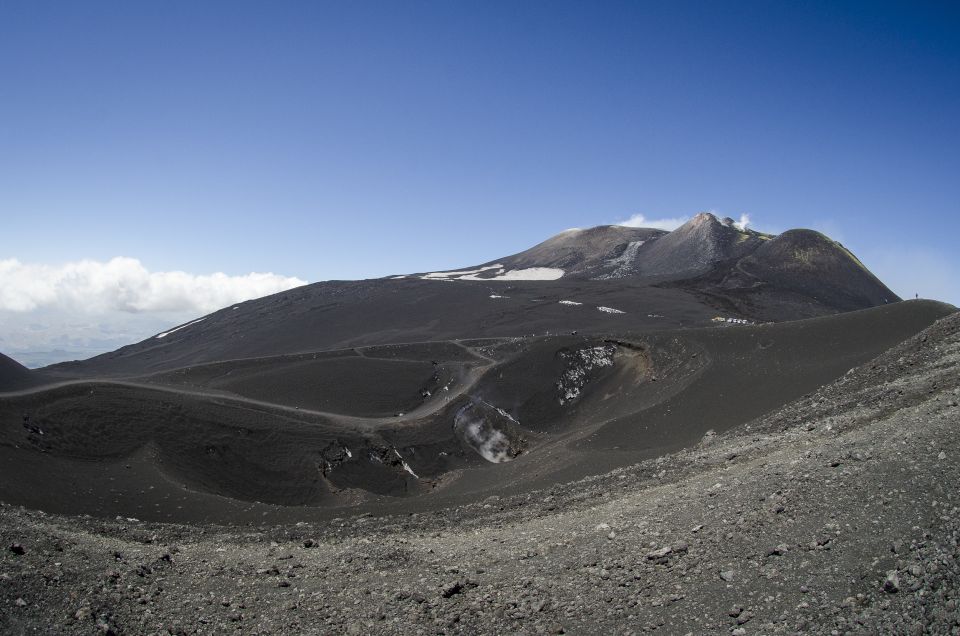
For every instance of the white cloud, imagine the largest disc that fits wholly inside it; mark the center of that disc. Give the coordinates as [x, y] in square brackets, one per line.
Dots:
[639, 220]
[73, 311]
[125, 285]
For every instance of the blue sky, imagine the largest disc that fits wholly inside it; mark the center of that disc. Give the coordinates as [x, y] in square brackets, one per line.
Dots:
[344, 140]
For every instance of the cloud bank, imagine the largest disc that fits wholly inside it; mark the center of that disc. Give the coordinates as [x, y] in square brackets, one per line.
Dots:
[639, 220]
[125, 285]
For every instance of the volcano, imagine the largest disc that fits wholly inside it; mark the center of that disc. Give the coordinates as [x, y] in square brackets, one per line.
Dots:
[612, 421]
[602, 280]
[591, 349]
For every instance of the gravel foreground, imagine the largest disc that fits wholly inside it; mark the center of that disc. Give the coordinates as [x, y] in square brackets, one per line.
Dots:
[838, 513]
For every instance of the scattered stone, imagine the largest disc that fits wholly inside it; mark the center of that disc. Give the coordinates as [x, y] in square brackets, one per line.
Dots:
[659, 554]
[450, 589]
[727, 575]
[891, 584]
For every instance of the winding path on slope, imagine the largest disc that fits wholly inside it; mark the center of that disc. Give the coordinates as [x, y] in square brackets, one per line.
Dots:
[364, 424]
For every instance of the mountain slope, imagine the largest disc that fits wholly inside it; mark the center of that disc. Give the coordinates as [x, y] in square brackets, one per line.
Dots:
[800, 272]
[809, 263]
[600, 280]
[230, 441]
[592, 253]
[14, 376]
[696, 247]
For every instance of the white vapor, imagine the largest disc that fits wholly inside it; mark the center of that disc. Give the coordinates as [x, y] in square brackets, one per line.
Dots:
[638, 220]
[125, 285]
[743, 222]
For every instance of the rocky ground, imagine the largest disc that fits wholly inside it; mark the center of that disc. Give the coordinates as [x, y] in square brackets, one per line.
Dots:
[839, 513]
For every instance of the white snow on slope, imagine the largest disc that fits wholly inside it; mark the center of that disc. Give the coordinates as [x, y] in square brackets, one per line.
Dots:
[532, 273]
[461, 274]
[569, 302]
[406, 466]
[611, 310]
[580, 363]
[167, 333]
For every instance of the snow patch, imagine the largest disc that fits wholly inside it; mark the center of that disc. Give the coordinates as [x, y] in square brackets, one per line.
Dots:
[733, 321]
[406, 466]
[569, 302]
[459, 275]
[497, 296]
[579, 364]
[610, 310]
[167, 333]
[498, 410]
[532, 273]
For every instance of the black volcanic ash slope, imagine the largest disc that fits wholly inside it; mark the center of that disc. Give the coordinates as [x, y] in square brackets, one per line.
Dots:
[697, 247]
[836, 514]
[808, 263]
[598, 252]
[419, 454]
[205, 444]
[14, 376]
[592, 349]
[603, 279]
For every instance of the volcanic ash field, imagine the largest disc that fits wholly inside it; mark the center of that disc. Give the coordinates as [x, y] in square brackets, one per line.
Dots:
[620, 430]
